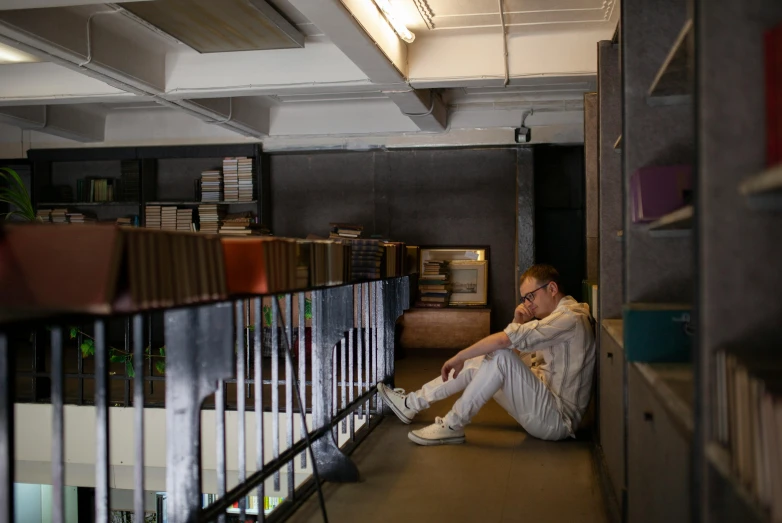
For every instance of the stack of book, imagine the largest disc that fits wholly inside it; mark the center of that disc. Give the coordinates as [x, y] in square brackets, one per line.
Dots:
[128, 221]
[243, 224]
[129, 181]
[184, 219]
[245, 174]
[345, 230]
[366, 259]
[152, 213]
[44, 215]
[209, 217]
[211, 186]
[78, 217]
[434, 285]
[168, 217]
[395, 258]
[96, 190]
[60, 215]
[748, 419]
[231, 179]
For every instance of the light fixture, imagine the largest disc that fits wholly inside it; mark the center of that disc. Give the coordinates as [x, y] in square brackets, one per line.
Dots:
[393, 20]
[9, 55]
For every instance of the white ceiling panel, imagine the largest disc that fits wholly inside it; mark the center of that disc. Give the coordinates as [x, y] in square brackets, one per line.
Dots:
[428, 15]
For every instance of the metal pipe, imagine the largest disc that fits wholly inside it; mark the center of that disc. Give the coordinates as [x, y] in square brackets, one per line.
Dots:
[101, 424]
[58, 441]
[240, 407]
[138, 411]
[258, 389]
[504, 43]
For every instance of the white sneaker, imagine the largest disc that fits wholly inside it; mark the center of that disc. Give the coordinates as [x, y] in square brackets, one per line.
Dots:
[437, 434]
[395, 398]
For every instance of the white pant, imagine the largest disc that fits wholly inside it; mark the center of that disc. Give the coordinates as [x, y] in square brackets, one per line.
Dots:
[501, 375]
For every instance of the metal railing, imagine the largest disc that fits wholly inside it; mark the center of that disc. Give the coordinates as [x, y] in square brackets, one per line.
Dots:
[208, 346]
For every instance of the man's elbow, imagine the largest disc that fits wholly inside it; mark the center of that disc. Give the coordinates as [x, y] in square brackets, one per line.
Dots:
[502, 341]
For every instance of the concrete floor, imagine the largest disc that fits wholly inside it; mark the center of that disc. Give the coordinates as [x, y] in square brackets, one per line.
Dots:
[500, 475]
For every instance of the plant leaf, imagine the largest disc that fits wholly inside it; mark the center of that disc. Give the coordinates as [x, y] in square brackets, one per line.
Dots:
[160, 366]
[73, 332]
[129, 370]
[117, 357]
[163, 351]
[87, 348]
[308, 308]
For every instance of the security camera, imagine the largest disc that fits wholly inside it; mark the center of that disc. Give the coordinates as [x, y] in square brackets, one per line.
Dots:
[523, 134]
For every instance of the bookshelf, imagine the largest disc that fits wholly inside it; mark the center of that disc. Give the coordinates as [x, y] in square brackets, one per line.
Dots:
[737, 240]
[167, 176]
[676, 223]
[646, 410]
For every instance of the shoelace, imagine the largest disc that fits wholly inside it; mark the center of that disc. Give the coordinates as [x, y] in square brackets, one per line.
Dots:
[400, 391]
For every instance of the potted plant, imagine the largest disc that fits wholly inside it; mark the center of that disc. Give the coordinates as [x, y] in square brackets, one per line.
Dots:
[14, 193]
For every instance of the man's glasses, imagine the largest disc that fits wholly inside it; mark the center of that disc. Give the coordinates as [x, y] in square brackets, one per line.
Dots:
[530, 296]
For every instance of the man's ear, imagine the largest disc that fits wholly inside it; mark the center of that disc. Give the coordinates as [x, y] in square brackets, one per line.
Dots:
[553, 287]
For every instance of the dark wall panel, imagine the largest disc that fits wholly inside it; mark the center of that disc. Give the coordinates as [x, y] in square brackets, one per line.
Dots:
[421, 197]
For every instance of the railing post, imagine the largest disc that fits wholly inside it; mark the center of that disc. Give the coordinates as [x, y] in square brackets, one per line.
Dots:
[7, 453]
[199, 352]
[332, 316]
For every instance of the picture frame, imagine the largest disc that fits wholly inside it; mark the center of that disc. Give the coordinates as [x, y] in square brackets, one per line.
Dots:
[469, 253]
[469, 282]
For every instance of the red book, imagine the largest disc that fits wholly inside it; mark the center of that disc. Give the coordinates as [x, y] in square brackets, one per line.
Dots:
[773, 67]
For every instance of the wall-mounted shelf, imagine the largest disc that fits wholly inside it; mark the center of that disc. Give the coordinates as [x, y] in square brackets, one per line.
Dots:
[616, 329]
[675, 224]
[672, 85]
[764, 191]
[201, 203]
[673, 383]
[618, 144]
[720, 460]
[89, 204]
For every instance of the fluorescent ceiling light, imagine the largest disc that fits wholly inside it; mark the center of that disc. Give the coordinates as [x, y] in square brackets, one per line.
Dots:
[9, 55]
[393, 20]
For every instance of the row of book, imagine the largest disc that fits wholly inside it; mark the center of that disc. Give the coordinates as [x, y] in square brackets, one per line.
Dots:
[169, 218]
[242, 224]
[132, 269]
[434, 285]
[748, 419]
[63, 216]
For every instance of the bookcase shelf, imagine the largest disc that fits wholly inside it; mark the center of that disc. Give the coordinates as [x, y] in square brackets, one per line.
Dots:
[764, 191]
[675, 224]
[672, 84]
[616, 329]
[673, 384]
[253, 202]
[719, 458]
[89, 204]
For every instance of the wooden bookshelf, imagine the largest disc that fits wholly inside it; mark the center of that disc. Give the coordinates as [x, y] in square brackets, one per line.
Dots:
[88, 204]
[676, 223]
[673, 83]
[253, 202]
[764, 191]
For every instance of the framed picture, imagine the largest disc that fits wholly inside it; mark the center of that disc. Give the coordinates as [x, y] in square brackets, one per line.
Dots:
[452, 254]
[469, 282]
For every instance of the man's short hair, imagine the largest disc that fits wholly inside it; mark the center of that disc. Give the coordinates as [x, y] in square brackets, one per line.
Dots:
[543, 273]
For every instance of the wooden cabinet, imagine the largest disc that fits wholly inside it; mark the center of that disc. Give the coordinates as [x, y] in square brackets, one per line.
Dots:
[658, 458]
[612, 425]
[449, 328]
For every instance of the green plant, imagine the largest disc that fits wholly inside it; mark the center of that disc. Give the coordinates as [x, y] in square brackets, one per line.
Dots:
[15, 193]
[118, 355]
[267, 310]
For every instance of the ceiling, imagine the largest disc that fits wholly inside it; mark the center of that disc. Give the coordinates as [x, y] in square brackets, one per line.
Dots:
[427, 16]
[237, 66]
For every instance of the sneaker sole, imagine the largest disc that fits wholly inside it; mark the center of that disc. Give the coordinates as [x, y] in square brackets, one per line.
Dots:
[434, 442]
[404, 419]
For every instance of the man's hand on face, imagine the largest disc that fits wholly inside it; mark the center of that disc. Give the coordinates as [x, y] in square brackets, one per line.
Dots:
[522, 314]
[454, 364]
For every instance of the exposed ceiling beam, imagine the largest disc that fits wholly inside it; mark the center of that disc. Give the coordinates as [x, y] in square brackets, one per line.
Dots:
[66, 121]
[35, 4]
[112, 60]
[359, 30]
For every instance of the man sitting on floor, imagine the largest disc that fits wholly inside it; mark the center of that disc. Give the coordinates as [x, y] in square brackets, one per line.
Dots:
[548, 399]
